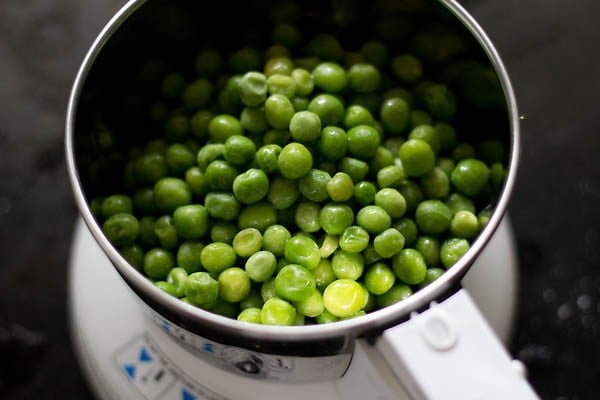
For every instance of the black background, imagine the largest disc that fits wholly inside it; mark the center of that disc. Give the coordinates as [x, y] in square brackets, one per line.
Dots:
[551, 50]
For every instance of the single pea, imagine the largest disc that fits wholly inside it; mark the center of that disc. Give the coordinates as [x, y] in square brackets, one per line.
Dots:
[267, 289]
[433, 217]
[283, 193]
[223, 126]
[463, 151]
[435, 184]
[209, 153]
[302, 250]
[334, 218]
[170, 193]
[305, 126]
[147, 237]
[223, 232]
[197, 94]
[379, 278]
[253, 88]
[408, 229]
[388, 243]
[357, 169]
[354, 239]
[356, 115]
[340, 187]
[329, 244]
[382, 158]
[191, 221]
[281, 84]
[149, 168]
[274, 239]
[464, 225]
[363, 78]
[407, 68]
[239, 150]
[429, 247]
[196, 180]
[254, 120]
[254, 299]
[374, 52]
[364, 193]
[220, 175]
[115, 204]
[417, 157]
[294, 283]
[409, 266]
[225, 308]
[304, 82]
[313, 186]
[217, 257]
[326, 317]
[245, 59]
[470, 176]
[427, 133]
[278, 66]
[363, 141]
[250, 315]
[172, 86]
[177, 277]
[259, 215]
[330, 76]
[323, 274]
[295, 161]
[332, 143]
[483, 217]
[497, 175]
[432, 275]
[445, 164]
[276, 136]
[452, 250]
[440, 101]
[222, 206]
[419, 117]
[329, 109]
[395, 115]
[133, 254]
[166, 287]
[397, 293]
[157, 263]
[276, 311]
[325, 46]
[458, 202]
[307, 217]
[490, 151]
[374, 219]
[392, 201]
[201, 289]
[300, 103]
[234, 284]
[188, 256]
[447, 135]
[251, 186]
[165, 231]
[247, 242]
[266, 158]
[121, 229]
[390, 176]
[401, 92]
[343, 297]
[279, 111]
[229, 98]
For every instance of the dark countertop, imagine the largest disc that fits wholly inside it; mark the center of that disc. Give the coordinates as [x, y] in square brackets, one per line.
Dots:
[550, 49]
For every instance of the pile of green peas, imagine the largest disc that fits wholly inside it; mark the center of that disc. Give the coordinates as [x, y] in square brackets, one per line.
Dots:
[295, 189]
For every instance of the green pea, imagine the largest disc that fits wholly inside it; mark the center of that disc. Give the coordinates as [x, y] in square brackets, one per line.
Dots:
[363, 141]
[191, 221]
[417, 157]
[267, 289]
[278, 66]
[354, 239]
[464, 225]
[209, 153]
[330, 77]
[363, 78]
[325, 46]
[133, 254]
[355, 168]
[447, 135]
[177, 277]
[197, 94]
[208, 62]
[440, 101]
[326, 317]
[267, 156]
[388, 243]
[221, 205]
[432, 275]
[254, 299]
[217, 257]
[407, 68]
[302, 250]
[433, 217]
[166, 287]
[196, 180]
[395, 115]
[259, 215]
[374, 219]
[382, 158]
[332, 143]
[253, 88]
[239, 150]
[329, 244]
[334, 218]
[379, 278]
[157, 263]
[220, 175]
[409, 266]
[304, 82]
[251, 186]
[276, 311]
[172, 86]
[458, 202]
[283, 193]
[408, 229]
[427, 133]
[374, 52]
[281, 84]
[223, 232]
[470, 176]
[429, 247]
[165, 231]
[452, 250]
[201, 289]
[313, 186]
[463, 151]
[223, 126]
[149, 168]
[247, 242]
[397, 293]
[307, 216]
[295, 161]
[279, 111]
[188, 256]
[435, 184]
[305, 126]
[329, 109]
[343, 297]
[364, 193]
[254, 120]
[274, 239]
[340, 187]
[147, 237]
[234, 284]
[392, 201]
[419, 117]
[294, 283]
[251, 315]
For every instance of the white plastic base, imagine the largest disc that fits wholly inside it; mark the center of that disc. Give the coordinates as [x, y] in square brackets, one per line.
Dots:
[125, 356]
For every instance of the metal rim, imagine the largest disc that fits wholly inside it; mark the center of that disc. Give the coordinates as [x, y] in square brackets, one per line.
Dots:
[372, 321]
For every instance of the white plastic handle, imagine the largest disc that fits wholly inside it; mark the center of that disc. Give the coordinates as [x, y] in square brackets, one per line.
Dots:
[450, 352]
